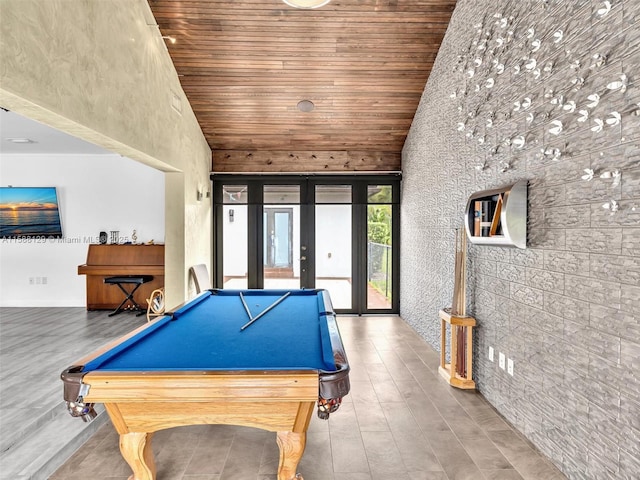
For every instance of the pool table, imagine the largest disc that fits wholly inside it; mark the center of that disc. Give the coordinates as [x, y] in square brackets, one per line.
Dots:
[258, 358]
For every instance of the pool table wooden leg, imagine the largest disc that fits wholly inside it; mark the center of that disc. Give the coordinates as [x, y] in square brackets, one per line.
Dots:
[291, 446]
[136, 450]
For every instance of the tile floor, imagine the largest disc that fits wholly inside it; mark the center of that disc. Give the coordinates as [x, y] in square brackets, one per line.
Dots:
[401, 421]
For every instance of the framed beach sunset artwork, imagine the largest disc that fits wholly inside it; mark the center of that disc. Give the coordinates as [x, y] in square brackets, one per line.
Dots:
[29, 212]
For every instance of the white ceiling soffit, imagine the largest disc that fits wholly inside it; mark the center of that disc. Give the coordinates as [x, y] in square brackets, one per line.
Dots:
[21, 135]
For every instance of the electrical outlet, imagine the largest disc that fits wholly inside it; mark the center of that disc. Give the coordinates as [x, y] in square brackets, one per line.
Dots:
[38, 280]
[501, 360]
[31, 281]
[44, 280]
[510, 367]
[491, 354]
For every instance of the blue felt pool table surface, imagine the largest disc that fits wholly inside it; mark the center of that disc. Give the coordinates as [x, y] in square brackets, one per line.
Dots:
[205, 334]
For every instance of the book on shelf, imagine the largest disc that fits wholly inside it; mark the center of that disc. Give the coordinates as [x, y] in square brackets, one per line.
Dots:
[477, 214]
[496, 227]
[486, 217]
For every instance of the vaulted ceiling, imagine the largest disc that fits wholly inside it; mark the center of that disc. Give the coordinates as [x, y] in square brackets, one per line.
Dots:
[245, 65]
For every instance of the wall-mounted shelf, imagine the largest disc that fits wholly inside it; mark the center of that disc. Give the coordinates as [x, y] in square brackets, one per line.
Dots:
[498, 216]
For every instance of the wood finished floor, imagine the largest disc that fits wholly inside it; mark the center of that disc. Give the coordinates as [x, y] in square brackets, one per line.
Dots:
[400, 421]
[36, 345]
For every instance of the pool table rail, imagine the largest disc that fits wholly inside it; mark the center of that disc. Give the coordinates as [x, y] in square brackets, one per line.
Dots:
[335, 384]
[275, 401]
[200, 385]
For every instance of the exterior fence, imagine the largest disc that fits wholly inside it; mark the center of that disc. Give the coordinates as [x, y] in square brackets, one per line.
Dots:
[379, 267]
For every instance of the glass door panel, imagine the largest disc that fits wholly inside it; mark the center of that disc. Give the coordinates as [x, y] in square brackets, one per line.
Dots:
[379, 247]
[333, 243]
[234, 237]
[282, 244]
[278, 238]
[281, 236]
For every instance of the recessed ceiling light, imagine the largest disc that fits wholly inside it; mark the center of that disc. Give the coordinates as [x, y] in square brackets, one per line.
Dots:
[306, 105]
[306, 3]
[20, 140]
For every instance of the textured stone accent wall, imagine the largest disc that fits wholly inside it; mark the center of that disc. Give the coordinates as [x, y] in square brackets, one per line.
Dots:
[567, 308]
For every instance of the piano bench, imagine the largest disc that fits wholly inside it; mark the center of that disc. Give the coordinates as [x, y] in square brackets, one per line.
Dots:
[134, 280]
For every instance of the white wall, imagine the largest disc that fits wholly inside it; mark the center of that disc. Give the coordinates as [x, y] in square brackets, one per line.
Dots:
[333, 241]
[96, 193]
[333, 250]
[101, 71]
[235, 241]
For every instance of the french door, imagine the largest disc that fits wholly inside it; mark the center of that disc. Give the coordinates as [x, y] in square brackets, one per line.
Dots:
[337, 233]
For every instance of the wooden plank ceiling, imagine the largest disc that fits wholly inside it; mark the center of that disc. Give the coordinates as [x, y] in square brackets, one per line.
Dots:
[246, 64]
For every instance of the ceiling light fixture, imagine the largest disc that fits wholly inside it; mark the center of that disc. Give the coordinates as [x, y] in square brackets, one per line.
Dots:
[20, 140]
[306, 3]
[306, 106]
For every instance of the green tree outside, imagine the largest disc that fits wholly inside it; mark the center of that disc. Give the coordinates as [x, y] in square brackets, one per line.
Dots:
[379, 237]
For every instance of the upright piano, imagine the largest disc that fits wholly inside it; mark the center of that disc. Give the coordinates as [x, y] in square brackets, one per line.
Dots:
[118, 260]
